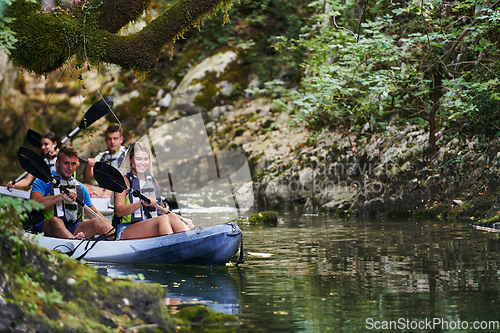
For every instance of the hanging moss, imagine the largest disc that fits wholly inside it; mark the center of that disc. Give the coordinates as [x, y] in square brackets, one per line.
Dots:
[44, 40]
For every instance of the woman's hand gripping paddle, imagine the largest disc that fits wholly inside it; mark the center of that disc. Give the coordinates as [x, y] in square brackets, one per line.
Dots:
[34, 164]
[111, 179]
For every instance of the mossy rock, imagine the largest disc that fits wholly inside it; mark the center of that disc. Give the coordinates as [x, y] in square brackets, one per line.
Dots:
[477, 207]
[266, 217]
[207, 319]
[435, 211]
[489, 222]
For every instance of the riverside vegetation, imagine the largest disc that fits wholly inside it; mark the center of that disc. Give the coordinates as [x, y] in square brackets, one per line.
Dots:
[359, 108]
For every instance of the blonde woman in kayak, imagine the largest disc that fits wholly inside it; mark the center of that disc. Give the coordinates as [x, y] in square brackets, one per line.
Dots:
[139, 218]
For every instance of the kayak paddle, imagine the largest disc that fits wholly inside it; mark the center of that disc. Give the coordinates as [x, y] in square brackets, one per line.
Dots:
[34, 164]
[34, 138]
[111, 179]
[96, 111]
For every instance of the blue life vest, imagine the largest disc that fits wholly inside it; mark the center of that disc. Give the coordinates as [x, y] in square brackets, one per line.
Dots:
[149, 188]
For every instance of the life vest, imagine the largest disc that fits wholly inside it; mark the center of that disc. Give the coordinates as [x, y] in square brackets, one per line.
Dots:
[69, 212]
[51, 164]
[149, 187]
[114, 161]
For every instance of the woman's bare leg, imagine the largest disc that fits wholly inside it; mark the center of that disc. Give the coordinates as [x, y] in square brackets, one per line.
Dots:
[156, 226]
[177, 224]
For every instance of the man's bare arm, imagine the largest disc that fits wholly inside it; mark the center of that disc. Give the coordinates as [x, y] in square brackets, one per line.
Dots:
[50, 200]
[88, 171]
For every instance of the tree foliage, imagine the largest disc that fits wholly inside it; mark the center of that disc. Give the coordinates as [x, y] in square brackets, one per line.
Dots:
[254, 28]
[429, 62]
[46, 39]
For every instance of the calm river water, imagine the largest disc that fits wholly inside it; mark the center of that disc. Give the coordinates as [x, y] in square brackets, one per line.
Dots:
[320, 274]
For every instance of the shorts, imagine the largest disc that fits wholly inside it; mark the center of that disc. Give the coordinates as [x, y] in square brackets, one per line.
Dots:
[71, 228]
[120, 228]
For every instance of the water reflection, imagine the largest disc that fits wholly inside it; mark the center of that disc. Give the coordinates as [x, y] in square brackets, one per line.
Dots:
[319, 274]
[333, 275]
[215, 287]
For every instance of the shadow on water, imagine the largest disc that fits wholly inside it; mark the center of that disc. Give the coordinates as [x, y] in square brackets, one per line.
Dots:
[216, 287]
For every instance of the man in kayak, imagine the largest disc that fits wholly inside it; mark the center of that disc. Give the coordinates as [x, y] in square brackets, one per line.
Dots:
[63, 217]
[113, 156]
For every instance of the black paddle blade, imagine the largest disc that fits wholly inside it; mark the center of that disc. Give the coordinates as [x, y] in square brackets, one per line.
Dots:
[34, 164]
[96, 111]
[34, 138]
[109, 177]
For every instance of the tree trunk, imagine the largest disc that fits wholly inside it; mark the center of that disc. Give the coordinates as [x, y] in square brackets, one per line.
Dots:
[432, 128]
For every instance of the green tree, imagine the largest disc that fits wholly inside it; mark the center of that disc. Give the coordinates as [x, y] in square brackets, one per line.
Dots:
[374, 62]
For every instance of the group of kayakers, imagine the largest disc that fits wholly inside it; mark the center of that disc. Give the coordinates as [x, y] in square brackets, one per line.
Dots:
[64, 218]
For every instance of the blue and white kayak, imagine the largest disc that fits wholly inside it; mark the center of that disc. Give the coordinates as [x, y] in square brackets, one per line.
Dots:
[214, 245]
[101, 204]
[4, 191]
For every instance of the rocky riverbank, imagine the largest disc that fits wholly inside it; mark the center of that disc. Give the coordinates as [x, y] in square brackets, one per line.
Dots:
[361, 173]
[42, 291]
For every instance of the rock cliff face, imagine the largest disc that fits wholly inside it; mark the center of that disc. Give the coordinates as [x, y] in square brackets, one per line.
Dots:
[15, 116]
[206, 85]
[12, 101]
[360, 173]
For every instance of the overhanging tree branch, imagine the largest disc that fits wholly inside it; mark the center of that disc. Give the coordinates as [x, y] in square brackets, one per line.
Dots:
[89, 32]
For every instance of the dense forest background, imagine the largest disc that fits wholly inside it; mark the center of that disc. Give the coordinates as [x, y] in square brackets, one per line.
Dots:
[344, 65]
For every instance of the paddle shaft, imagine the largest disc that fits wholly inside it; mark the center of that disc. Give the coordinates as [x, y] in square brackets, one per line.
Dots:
[34, 164]
[95, 112]
[26, 172]
[141, 196]
[76, 130]
[110, 178]
[20, 177]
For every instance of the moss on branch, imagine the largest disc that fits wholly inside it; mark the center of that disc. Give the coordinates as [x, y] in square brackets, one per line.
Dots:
[46, 40]
[118, 13]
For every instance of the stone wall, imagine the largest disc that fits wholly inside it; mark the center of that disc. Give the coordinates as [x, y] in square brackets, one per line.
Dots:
[360, 173]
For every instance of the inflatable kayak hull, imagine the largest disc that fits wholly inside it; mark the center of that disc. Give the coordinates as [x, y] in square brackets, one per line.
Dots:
[214, 245]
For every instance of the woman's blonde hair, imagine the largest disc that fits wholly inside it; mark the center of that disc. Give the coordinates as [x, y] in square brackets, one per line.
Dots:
[126, 165]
